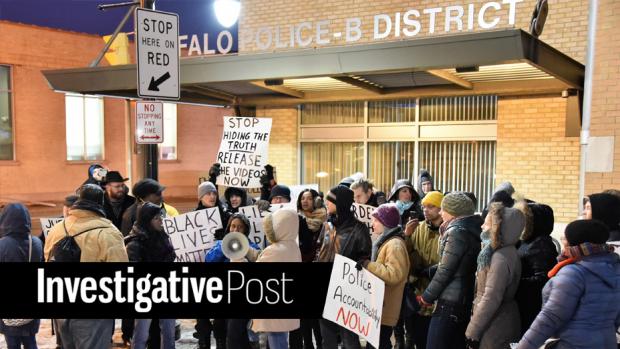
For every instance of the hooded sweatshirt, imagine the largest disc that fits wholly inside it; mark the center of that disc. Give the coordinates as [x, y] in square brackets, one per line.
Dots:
[15, 229]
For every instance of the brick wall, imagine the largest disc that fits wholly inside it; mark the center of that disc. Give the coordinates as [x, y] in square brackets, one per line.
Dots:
[566, 27]
[282, 142]
[534, 154]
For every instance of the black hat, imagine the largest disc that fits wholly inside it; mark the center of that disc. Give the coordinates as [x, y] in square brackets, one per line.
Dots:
[91, 192]
[114, 177]
[280, 190]
[147, 186]
[586, 230]
[342, 197]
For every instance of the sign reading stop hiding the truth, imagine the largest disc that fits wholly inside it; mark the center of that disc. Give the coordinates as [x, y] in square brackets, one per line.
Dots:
[149, 122]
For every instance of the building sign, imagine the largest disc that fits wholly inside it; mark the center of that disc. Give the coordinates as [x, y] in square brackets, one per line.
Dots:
[157, 51]
[404, 24]
[149, 122]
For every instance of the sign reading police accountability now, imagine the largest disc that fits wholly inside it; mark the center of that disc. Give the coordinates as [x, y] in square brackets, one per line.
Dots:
[243, 151]
[149, 122]
[355, 300]
[193, 234]
[157, 51]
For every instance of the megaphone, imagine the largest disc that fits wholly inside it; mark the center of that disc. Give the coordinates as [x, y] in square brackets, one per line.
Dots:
[235, 245]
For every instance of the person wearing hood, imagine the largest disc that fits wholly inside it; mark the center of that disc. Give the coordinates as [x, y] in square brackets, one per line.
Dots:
[281, 229]
[350, 238]
[96, 175]
[581, 301]
[452, 286]
[146, 190]
[538, 255]
[605, 207]
[495, 318]
[148, 242]
[389, 262]
[364, 193]
[18, 245]
[407, 200]
[117, 201]
[425, 183]
[235, 198]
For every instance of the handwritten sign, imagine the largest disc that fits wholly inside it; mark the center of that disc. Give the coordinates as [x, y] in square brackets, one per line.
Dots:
[193, 234]
[363, 214]
[256, 217]
[355, 300]
[48, 223]
[243, 151]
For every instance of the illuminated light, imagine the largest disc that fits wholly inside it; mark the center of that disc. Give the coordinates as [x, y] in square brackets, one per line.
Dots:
[227, 12]
[322, 174]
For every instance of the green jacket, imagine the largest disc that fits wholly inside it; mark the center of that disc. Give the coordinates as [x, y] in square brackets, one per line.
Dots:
[423, 249]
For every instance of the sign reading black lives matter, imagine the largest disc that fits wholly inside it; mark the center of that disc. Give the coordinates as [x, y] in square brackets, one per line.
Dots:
[193, 234]
[243, 151]
[157, 52]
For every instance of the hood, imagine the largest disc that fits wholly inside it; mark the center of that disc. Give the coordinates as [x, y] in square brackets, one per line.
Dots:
[604, 266]
[538, 219]
[425, 176]
[403, 183]
[505, 186]
[15, 220]
[239, 191]
[511, 222]
[606, 208]
[243, 218]
[282, 225]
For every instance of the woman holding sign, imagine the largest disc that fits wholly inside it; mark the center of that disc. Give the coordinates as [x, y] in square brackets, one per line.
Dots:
[390, 263]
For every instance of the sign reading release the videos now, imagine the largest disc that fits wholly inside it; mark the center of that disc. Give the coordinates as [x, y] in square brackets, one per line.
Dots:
[243, 151]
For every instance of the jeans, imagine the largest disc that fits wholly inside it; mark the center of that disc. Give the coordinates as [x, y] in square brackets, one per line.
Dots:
[15, 342]
[237, 330]
[85, 333]
[330, 331]
[384, 339]
[141, 333]
[277, 340]
[447, 326]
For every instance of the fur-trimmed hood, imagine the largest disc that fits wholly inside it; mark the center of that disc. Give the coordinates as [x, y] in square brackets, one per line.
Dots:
[282, 225]
[507, 224]
[539, 219]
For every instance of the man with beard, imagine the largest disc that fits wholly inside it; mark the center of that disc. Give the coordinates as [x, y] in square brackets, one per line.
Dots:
[117, 201]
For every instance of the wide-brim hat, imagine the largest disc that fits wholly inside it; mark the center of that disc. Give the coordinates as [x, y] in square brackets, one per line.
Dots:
[114, 176]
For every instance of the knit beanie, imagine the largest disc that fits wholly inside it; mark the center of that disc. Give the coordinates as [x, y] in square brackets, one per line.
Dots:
[205, 188]
[388, 215]
[458, 205]
[433, 198]
[280, 190]
[586, 230]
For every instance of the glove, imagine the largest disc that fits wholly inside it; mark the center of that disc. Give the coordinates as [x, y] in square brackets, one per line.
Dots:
[471, 343]
[214, 171]
[361, 263]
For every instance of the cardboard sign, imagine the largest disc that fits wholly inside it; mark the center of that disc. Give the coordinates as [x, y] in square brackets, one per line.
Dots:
[297, 189]
[362, 213]
[48, 223]
[243, 151]
[257, 232]
[355, 300]
[193, 234]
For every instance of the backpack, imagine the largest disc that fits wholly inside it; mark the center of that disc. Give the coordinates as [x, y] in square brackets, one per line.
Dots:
[67, 249]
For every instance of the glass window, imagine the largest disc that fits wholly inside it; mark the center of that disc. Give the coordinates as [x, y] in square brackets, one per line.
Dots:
[327, 163]
[332, 113]
[168, 148]
[6, 115]
[392, 111]
[84, 117]
[465, 108]
[389, 161]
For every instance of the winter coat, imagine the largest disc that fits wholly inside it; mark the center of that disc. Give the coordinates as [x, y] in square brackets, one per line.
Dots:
[538, 255]
[495, 320]
[127, 202]
[314, 223]
[415, 198]
[391, 266]
[423, 249]
[14, 247]
[353, 240]
[104, 244]
[281, 230]
[458, 251]
[581, 306]
[151, 246]
[129, 217]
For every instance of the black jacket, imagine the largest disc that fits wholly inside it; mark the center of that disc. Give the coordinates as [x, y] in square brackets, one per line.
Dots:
[128, 200]
[153, 246]
[456, 273]
[354, 239]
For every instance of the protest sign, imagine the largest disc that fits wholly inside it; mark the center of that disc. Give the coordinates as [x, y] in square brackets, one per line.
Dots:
[48, 223]
[355, 300]
[297, 189]
[257, 234]
[363, 214]
[193, 234]
[243, 151]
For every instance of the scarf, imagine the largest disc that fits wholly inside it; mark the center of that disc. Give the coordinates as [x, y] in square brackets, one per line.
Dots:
[486, 252]
[403, 206]
[573, 254]
[315, 219]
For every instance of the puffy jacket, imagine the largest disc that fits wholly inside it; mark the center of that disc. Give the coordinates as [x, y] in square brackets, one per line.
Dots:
[104, 244]
[154, 246]
[459, 248]
[581, 306]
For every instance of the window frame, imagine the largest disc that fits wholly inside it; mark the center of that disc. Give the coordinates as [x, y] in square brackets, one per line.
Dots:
[84, 158]
[11, 92]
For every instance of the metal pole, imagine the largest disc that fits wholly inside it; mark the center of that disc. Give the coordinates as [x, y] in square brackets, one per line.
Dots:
[587, 100]
[116, 31]
[151, 164]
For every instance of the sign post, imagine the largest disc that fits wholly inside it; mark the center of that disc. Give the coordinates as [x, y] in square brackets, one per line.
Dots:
[149, 122]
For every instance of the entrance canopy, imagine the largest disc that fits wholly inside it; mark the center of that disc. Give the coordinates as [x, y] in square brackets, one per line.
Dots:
[503, 62]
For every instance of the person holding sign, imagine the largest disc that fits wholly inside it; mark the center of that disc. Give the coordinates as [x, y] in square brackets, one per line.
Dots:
[390, 263]
[207, 198]
[350, 238]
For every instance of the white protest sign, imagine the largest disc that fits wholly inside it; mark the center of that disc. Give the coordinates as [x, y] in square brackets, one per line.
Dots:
[157, 54]
[243, 151]
[355, 300]
[297, 189]
[257, 232]
[149, 122]
[363, 214]
[48, 223]
[193, 234]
